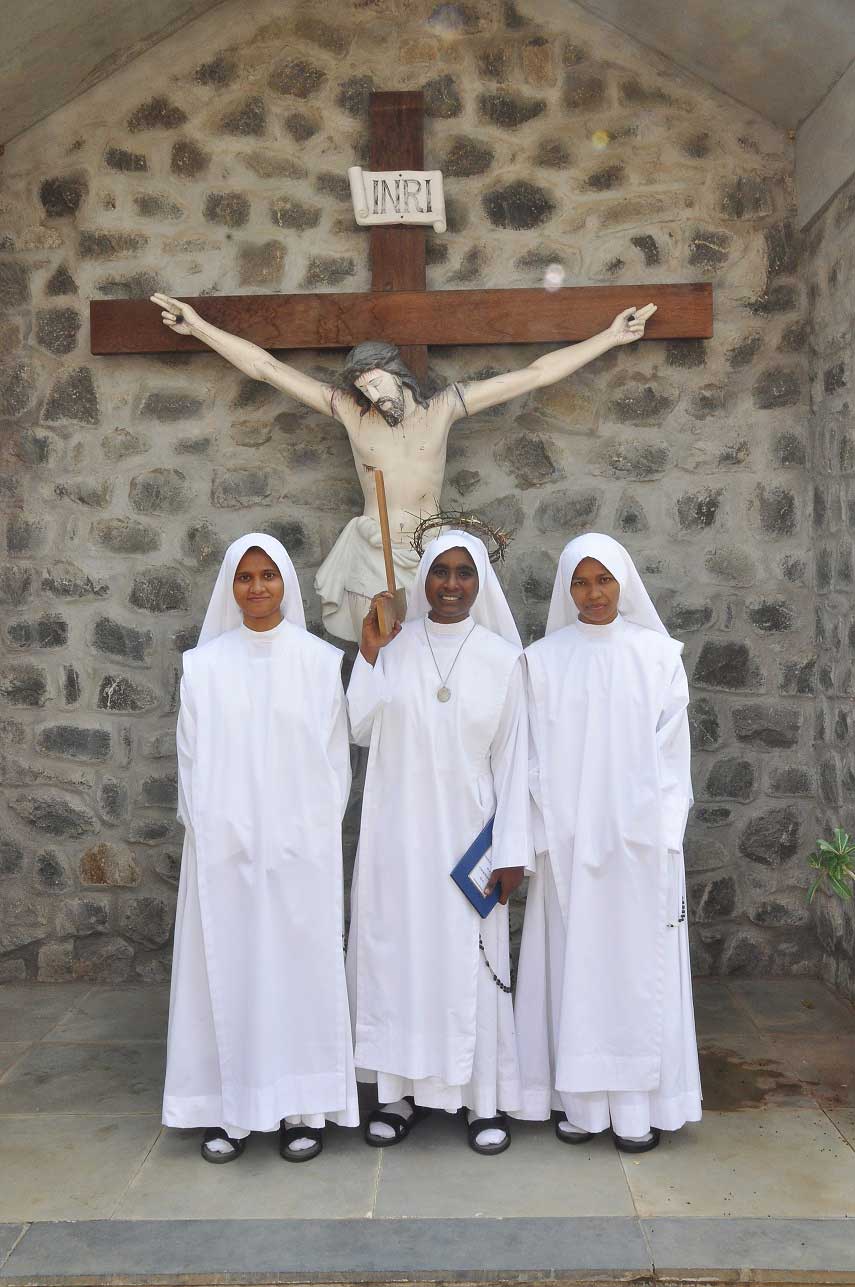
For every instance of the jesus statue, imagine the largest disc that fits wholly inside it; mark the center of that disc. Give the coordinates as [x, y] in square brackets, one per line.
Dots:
[392, 426]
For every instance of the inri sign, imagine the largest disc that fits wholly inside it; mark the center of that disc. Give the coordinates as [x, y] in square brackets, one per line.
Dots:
[397, 196]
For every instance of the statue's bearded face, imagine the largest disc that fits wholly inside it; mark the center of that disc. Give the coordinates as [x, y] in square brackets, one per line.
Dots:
[386, 393]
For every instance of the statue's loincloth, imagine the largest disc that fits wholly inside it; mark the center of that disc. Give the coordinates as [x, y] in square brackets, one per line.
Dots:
[355, 565]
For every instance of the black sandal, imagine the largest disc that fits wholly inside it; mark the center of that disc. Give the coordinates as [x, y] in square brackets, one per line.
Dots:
[219, 1159]
[637, 1146]
[400, 1125]
[289, 1134]
[497, 1123]
[571, 1137]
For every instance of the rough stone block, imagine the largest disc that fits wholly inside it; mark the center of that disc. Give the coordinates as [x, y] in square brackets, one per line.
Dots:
[747, 197]
[709, 249]
[466, 157]
[287, 212]
[297, 78]
[16, 584]
[632, 458]
[261, 264]
[189, 160]
[14, 284]
[54, 816]
[789, 451]
[509, 110]
[582, 91]
[169, 406]
[160, 590]
[156, 114]
[247, 120]
[126, 642]
[238, 488]
[767, 726]
[21, 923]
[70, 685]
[713, 900]
[567, 512]
[23, 685]
[55, 963]
[111, 245]
[103, 960]
[87, 491]
[110, 865]
[146, 920]
[327, 270]
[686, 617]
[11, 856]
[519, 205]
[698, 510]
[159, 491]
[17, 389]
[300, 126]
[219, 72]
[529, 458]
[122, 695]
[73, 397]
[772, 838]
[119, 158]
[231, 209]
[63, 196]
[76, 743]
[160, 792]
[772, 616]
[125, 536]
[606, 178]
[153, 205]
[777, 387]
[727, 664]
[642, 404]
[777, 510]
[442, 98]
[354, 95]
[112, 800]
[731, 779]
[52, 872]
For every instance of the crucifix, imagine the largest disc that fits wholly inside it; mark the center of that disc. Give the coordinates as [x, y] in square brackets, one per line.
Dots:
[390, 422]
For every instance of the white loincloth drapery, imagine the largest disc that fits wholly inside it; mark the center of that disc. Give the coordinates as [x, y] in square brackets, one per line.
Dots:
[354, 567]
[259, 1028]
[428, 1018]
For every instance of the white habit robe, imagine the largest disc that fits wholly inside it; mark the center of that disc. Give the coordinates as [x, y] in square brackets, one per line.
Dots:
[259, 1027]
[429, 1020]
[604, 999]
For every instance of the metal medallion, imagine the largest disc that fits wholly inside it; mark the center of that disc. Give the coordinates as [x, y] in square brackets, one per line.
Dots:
[443, 694]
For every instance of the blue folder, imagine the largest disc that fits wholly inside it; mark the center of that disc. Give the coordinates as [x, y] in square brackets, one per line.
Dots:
[460, 874]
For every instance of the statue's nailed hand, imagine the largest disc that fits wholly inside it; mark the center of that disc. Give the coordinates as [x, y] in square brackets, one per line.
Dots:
[179, 317]
[628, 326]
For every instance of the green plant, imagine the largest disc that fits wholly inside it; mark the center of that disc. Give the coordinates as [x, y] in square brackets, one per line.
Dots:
[835, 862]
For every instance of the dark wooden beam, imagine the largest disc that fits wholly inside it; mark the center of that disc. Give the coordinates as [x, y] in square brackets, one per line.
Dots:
[398, 254]
[407, 318]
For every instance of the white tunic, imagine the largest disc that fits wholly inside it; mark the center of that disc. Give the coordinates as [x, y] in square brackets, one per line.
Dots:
[258, 1025]
[604, 995]
[428, 1018]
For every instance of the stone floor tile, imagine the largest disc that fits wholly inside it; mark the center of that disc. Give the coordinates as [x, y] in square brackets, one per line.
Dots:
[329, 1250]
[844, 1120]
[718, 1012]
[85, 1079]
[739, 1072]
[117, 1014]
[790, 1245]
[783, 1163]
[69, 1167]
[824, 1065]
[11, 1052]
[176, 1182]
[9, 1236]
[434, 1173]
[29, 1010]
[798, 1006]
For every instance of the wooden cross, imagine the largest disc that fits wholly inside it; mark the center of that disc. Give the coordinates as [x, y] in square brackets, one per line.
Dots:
[399, 308]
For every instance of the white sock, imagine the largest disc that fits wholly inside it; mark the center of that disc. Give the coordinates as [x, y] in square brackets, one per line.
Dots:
[566, 1127]
[639, 1139]
[494, 1135]
[402, 1108]
[219, 1146]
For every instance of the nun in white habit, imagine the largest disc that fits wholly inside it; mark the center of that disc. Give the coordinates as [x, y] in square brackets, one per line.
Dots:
[441, 705]
[259, 1030]
[604, 996]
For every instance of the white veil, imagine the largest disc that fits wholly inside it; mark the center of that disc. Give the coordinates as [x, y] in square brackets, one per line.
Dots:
[223, 613]
[490, 609]
[634, 603]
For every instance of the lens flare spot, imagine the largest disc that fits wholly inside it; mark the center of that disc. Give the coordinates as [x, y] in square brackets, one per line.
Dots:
[553, 278]
[600, 140]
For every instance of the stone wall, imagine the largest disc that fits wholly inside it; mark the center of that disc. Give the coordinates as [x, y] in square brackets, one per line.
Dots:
[829, 263]
[215, 164]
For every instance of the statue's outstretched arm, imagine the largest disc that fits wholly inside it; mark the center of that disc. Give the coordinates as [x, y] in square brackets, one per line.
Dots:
[627, 327]
[247, 357]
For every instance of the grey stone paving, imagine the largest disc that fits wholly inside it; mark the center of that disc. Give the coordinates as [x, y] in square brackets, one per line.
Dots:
[92, 1187]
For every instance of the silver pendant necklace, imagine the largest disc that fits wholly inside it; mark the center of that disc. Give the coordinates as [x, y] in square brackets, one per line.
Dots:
[443, 693]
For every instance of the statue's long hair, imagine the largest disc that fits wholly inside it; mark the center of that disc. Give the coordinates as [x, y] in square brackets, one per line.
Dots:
[370, 356]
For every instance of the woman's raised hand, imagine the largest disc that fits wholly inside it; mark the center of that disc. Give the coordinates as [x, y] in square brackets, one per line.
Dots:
[373, 638]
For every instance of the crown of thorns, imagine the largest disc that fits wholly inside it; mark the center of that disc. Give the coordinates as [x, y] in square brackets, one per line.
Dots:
[494, 538]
